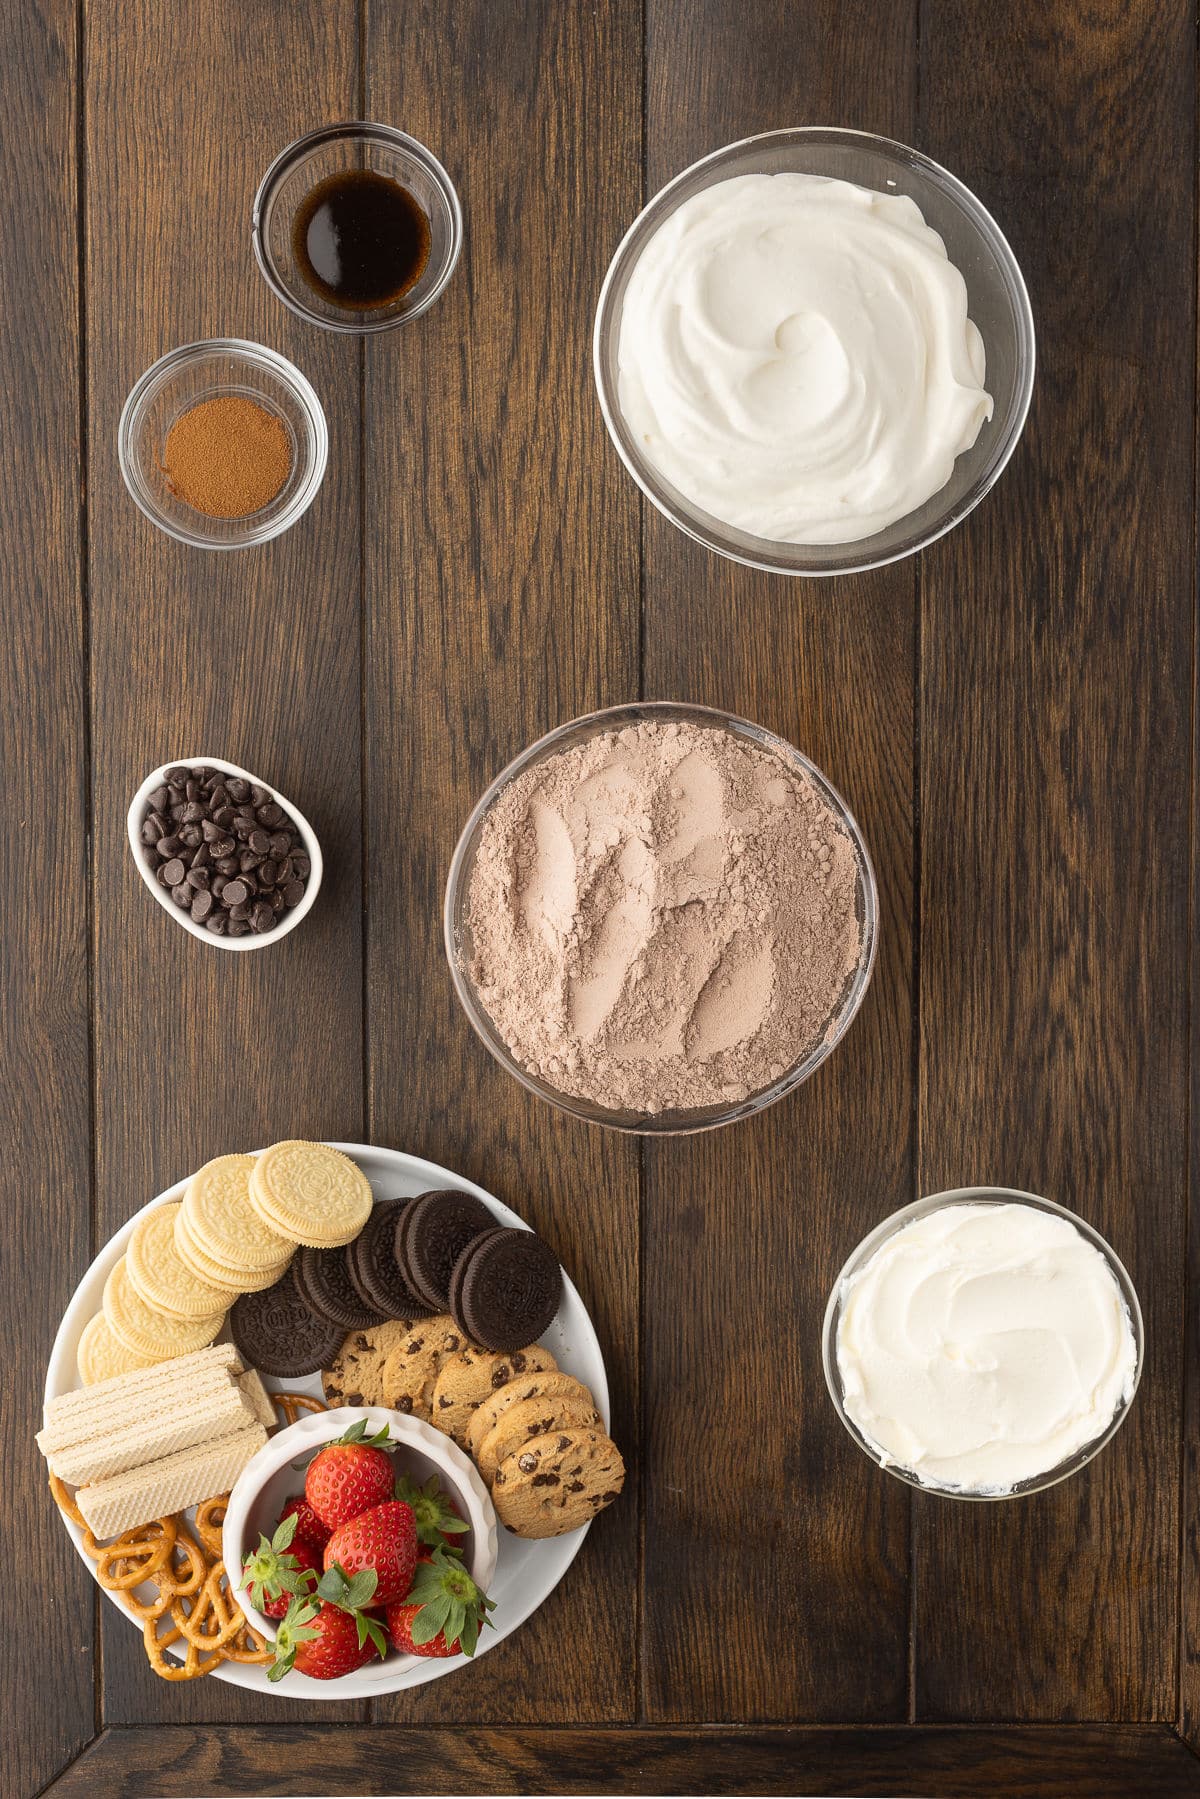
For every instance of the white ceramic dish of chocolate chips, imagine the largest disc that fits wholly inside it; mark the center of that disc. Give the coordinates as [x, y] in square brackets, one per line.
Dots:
[526, 1571]
[288, 919]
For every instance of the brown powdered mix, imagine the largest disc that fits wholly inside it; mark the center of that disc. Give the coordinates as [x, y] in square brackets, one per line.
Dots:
[662, 917]
[227, 457]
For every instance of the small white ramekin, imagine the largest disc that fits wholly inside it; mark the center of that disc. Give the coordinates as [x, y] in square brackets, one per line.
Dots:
[312, 849]
[276, 1474]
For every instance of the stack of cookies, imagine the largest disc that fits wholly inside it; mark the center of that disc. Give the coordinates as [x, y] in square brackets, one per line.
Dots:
[535, 1435]
[145, 1444]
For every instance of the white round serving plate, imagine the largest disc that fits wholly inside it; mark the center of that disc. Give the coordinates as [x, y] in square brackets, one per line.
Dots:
[526, 1572]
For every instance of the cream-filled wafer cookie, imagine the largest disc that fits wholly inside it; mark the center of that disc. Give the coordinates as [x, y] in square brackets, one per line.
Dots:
[71, 1416]
[228, 1280]
[147, 1332]
[158, 1274]
[177, 1481]
[311, 1193]
[223, 1224]
[100, 1356]
[257, 1397]
[131, 1443]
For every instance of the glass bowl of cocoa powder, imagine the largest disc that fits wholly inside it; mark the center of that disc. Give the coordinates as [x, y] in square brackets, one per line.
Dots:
[223, 444]
[661, 918]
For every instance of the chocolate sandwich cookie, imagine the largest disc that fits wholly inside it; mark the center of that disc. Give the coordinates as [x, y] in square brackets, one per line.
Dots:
[277, 1331]
[373, 1266]
[506, 1288]
[323, 1277]
[459, 1270]
[436, 1229]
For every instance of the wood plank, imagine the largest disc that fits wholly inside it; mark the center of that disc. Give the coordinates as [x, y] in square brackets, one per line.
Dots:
[1090, 1763]
[1054, 905]
[253, 655]
[755, 1497]
[45, 1674]
[501, 598]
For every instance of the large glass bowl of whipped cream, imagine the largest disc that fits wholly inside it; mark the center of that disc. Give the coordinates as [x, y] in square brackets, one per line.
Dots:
[571, 851]
[983, 1344]
[814, 351]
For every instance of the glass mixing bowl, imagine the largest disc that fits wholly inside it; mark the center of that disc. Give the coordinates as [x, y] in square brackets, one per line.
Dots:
[998, 304]
[921, 1208]
[458, 936]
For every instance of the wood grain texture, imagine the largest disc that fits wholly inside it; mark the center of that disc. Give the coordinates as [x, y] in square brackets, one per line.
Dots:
[747, 1227]
[45, 1675]
[253, 655]
[935, 1764]
[501, 592]
[1056, 811]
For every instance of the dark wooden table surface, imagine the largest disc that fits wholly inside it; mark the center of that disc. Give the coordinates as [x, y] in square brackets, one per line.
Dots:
[1011, 716]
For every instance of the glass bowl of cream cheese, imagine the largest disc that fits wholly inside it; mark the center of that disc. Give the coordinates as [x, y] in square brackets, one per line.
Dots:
[983, 1344]
[814, 351]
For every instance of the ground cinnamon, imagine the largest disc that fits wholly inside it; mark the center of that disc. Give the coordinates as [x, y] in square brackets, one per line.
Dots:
[227, 457]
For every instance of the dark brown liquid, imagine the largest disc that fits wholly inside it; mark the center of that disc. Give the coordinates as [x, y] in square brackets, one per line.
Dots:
[360, 240]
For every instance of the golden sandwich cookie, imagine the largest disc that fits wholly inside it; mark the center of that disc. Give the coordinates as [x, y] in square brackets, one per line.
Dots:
[147, 1332]
[311, 1193]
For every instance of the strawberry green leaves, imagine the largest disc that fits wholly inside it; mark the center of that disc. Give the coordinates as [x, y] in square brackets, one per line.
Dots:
[351, 1594]
[357, 1433]
[269, 1572]
[434, 1514]
[449, 1601]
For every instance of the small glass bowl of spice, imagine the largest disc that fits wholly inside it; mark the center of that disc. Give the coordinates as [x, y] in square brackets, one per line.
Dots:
[357, 227]
[223, 444]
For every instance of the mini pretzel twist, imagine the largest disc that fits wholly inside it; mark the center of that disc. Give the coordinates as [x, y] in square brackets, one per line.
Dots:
[292, 1404]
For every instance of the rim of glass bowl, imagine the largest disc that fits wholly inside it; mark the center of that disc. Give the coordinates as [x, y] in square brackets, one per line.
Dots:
[148, 385]
[677, 1122]
[766, 553]
[349, 131]
[922, 1208]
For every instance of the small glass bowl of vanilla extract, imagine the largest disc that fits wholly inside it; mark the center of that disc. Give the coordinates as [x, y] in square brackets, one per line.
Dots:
[357, 227]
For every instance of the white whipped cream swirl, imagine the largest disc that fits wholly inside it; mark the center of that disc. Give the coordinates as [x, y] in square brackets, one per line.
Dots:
[795, 357]
[982, 1345]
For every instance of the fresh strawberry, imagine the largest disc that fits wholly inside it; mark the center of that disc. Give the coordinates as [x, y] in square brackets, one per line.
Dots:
[329, 1634]
[435, 1514]
[385, 1539]
[280, 1568]
[443, 1611]
[309, 1528]
[349, 1476]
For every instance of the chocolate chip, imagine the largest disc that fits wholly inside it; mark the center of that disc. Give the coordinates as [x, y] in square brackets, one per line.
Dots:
[262, 917]
[228, 865]
[293, 893]
[171, 873]
[268, 873]
[177, 777]
[218, 924]
[202, 905]
[191, 837]
[281, 843]
[260, 842]
[193, 812]
[527, 1463]
[548, 1479]
[239, 913]
[182, 895]
[236, 894]
[239, 790]
[199, 878]
[238, 927]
